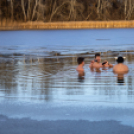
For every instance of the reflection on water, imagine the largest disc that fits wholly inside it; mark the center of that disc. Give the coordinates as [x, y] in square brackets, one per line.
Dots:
[54, 78]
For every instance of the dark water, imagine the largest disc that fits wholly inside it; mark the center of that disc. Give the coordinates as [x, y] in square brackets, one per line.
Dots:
[38, 72]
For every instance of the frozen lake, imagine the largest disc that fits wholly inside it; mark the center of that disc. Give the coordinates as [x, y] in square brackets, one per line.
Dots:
[38, 73]
[66, 41]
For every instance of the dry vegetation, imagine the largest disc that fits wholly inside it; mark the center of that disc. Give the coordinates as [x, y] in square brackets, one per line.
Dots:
[66, 10]
[65, 14]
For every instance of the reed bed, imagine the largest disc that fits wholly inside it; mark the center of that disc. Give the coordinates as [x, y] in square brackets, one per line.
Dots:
[65, 25]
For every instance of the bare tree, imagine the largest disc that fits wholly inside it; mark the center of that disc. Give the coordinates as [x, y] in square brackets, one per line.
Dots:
[34, 9]
[106, 5]
[23, 9]
[29, 9]
[99, 11]
[0, 13]
[11, 3]
[66, 10]
[125, 9]
[56, 9]
[41, 10]
[130, 9]
[72, 15]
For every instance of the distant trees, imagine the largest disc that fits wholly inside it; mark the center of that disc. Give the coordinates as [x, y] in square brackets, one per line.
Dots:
[129, 9]
[66, 10]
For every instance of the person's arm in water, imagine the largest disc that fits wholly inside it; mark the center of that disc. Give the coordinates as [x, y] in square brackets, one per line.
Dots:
[107, 64]
[110, 65]
[91, 64]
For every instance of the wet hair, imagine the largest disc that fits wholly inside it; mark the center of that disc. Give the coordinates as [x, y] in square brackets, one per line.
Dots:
[80, 60]
[120, 60]
[97, 54]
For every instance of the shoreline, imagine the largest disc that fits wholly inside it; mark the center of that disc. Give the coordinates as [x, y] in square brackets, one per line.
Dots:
[65, 25]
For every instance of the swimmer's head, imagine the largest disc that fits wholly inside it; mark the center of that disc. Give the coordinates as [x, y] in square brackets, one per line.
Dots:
[120, 60]
[105, 63]
[98, 57]
[80, 60]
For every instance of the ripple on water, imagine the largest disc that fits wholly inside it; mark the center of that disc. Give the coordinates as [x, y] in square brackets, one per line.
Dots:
[54, 78]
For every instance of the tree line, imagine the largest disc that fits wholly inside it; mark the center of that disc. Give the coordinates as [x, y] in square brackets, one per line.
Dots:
[66, 10]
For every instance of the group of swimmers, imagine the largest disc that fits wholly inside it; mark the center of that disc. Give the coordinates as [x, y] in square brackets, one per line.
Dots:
[120, 68]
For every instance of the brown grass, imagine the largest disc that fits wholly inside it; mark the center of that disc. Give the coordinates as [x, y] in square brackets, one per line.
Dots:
[8, 25]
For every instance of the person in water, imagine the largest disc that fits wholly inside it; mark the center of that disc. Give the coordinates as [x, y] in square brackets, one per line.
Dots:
[120, 68]
[106, 64]
[80, 68]
[97, 62]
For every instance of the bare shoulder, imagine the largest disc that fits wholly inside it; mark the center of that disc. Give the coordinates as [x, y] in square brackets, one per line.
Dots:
[115, 66]
[126, 67]
[121, 68]
[79, 69]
